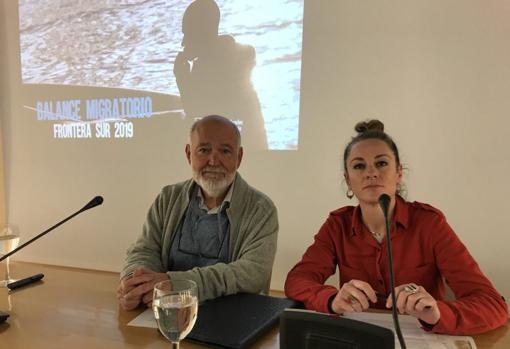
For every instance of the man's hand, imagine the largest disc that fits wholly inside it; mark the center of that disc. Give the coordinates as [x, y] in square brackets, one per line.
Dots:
[182, 67]
[138, 287]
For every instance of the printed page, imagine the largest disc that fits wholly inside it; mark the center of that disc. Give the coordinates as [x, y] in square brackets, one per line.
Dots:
[414, 336]
[145, 319]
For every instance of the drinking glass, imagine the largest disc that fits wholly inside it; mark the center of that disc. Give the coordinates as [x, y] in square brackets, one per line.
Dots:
[175, 306]
[9, 240]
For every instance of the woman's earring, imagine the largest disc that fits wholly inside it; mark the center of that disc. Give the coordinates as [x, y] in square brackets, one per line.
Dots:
[349, 194]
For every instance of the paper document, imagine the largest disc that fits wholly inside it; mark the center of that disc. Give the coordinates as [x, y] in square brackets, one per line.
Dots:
[414, 336]
[145, 319]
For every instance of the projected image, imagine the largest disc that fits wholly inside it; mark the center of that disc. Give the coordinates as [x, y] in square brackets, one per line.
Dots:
[237, 58]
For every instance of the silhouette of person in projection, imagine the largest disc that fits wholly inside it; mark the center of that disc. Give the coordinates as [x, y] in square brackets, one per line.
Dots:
[213, 74]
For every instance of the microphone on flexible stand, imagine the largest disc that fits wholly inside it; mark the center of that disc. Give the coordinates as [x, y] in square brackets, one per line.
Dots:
[384, 202]
[98, 200]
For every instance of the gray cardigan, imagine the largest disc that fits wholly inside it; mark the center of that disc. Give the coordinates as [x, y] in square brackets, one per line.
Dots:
[252, 245]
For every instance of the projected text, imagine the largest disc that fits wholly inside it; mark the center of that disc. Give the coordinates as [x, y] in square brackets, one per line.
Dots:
[94, 118]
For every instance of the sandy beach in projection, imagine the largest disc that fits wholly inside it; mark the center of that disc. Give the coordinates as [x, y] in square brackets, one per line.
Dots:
[132, 44]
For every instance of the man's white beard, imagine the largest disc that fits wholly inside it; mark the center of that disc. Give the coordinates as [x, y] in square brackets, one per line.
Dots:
[211, 186]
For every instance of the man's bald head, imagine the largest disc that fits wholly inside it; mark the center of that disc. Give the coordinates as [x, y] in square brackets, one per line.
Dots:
[219, 120]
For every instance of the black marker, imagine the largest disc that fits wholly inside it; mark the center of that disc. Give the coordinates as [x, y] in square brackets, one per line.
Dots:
[25, 281]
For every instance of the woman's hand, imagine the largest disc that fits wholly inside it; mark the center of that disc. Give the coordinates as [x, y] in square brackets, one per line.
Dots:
[353, 296]
[416, 301]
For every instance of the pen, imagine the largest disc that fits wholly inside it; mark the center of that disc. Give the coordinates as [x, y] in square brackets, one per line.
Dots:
[25, 281]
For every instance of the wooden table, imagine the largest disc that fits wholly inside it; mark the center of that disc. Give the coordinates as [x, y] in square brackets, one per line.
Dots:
[77, 308]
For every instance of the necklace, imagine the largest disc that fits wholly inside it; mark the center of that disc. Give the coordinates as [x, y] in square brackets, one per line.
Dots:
[377, 236]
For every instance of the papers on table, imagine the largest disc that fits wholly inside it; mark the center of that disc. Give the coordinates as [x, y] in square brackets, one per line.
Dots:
[414, 336]
[145, 319]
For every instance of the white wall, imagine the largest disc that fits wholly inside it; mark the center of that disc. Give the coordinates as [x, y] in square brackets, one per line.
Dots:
[436, 72]
[3, 111]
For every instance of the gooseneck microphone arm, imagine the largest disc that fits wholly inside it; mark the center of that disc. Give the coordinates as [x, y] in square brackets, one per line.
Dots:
[384, 202]
[98, 200]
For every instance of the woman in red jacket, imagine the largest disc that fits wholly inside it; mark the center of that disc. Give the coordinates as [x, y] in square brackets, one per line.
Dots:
[426, 252]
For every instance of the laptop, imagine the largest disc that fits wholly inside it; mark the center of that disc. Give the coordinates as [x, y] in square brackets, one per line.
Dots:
[238, 320]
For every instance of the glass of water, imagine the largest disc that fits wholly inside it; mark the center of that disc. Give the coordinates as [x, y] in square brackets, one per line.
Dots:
[9, 240]
[175, 306]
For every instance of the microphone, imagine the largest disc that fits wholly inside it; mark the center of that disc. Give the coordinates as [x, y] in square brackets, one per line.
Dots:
[98, 200]
[384, 202]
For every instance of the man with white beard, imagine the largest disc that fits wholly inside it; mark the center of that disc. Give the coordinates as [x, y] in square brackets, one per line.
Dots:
[213, 229]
